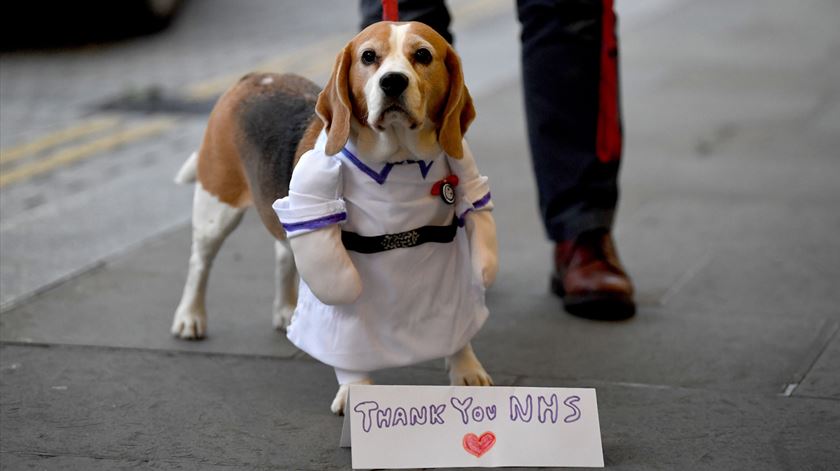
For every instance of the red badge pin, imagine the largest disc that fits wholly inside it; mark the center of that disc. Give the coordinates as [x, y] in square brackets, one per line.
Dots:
[446, 189]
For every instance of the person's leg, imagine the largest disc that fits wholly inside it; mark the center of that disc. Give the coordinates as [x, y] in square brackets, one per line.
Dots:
[562, 61]
[431, 12]
[570, 81]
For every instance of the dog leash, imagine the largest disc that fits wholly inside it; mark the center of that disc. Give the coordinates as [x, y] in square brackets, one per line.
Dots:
[390, 10]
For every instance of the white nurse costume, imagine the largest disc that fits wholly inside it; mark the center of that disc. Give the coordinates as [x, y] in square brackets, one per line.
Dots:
[418, 302]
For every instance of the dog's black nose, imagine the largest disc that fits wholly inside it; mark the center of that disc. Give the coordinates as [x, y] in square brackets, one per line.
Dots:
[393, 84]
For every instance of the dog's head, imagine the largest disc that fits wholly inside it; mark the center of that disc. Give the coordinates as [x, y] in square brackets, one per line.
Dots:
[401, 77]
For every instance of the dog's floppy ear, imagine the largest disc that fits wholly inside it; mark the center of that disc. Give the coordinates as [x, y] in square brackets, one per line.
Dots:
[334, 106]
[459, 111]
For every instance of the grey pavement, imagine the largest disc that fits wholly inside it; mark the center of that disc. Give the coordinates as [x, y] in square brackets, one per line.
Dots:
[728, 224]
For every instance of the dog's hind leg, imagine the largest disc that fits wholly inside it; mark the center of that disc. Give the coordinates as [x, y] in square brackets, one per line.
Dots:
[286, 278]
[212, 221]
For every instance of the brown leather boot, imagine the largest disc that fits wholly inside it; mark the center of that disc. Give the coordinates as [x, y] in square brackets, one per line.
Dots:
[589, 277]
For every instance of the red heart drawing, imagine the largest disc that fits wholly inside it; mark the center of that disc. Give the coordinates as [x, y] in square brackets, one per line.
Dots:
[478, 446]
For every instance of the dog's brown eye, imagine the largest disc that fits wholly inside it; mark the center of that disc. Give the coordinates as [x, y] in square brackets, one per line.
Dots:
[423, 56]
[368, 57]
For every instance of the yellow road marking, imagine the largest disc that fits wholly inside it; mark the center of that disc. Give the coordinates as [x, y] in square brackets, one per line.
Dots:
[82, 151]
[53, 139]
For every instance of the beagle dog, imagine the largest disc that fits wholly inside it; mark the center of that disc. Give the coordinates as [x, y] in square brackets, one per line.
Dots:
[396, 98]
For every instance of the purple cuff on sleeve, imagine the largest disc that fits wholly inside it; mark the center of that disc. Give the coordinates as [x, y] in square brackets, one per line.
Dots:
[462, 219]
[313, 224]
[482, 202]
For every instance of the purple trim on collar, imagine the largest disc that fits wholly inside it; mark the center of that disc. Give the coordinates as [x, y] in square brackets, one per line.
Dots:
[315, 223]
[382, 175]
[379, 177]
[482, 202]
[424, 166]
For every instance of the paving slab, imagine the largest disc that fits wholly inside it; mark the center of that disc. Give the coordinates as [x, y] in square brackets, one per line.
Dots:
[678, 428]
[823, 379]
[130, 301]
[162, 408]
[89, 408]
[769, 279]
[665, 240]
[532, 336]
[83, 408]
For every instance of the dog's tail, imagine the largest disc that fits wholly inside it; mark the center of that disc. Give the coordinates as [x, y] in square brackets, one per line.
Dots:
[188, 170]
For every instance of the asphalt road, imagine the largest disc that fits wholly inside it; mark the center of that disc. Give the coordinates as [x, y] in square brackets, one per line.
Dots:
[91, 137]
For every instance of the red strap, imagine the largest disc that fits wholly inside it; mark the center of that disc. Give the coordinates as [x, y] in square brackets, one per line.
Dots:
[608, 134]
[390, 12]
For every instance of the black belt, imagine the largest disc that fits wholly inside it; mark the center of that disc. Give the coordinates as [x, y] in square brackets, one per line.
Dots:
[412, 238]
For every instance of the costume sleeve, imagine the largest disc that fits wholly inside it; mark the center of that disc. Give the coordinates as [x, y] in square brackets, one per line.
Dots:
[473, 190]
[314, 199]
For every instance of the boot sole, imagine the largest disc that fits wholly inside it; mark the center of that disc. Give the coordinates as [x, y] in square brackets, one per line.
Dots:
[598, 306]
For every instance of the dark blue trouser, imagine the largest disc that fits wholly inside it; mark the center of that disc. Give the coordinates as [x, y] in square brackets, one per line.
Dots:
[570, 81]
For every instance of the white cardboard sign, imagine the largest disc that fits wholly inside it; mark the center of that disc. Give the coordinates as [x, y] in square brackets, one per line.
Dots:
[459, 426]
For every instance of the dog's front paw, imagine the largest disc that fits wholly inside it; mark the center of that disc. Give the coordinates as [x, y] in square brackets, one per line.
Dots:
[337, 406]
[465, 369]
[282, 317]
[189, 324]
[475, 376]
